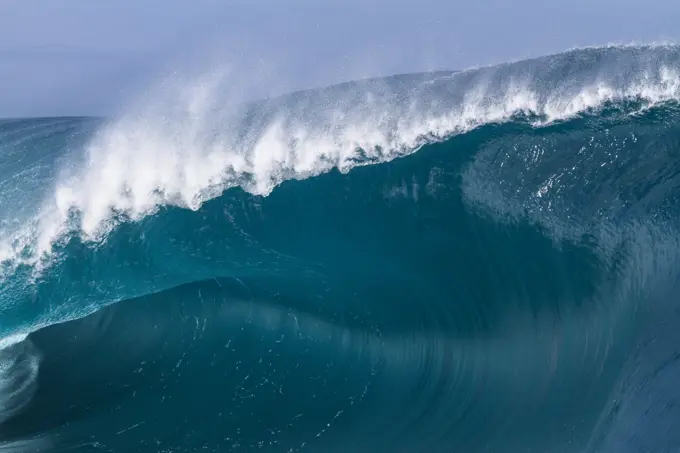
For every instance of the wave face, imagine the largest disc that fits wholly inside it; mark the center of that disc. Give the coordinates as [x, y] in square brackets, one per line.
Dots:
[483, 260]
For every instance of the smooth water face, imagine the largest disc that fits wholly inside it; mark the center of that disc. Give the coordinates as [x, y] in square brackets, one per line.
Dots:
[488, 271]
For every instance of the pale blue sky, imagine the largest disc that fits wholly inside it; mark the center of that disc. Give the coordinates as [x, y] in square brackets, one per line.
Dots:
[73, 57]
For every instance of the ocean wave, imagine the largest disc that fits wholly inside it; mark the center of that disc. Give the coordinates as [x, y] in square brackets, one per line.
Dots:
[479, 259]
[427, 388]
[187, 146]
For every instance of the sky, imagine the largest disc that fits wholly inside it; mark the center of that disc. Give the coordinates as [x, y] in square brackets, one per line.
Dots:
[90, 57]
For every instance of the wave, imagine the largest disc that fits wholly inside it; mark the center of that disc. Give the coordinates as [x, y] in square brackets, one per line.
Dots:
[191, 147]
[329, 378]
[472, 259]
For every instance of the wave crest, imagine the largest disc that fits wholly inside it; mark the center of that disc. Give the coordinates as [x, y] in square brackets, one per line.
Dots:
[190, 143]
[208, 144]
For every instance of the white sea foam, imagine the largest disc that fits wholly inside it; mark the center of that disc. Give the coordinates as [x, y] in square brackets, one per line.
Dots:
[12, 340]
[186, 146]
[19, 362]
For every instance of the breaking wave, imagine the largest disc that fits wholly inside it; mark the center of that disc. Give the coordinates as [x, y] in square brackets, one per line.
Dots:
[479, 260]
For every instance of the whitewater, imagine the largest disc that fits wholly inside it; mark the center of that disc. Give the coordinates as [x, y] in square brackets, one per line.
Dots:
[476, 260]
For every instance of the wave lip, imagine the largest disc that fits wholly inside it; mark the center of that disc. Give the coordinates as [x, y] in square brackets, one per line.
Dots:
[189, 146]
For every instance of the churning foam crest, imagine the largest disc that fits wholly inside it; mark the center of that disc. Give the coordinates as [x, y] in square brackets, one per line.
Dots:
[188, 145]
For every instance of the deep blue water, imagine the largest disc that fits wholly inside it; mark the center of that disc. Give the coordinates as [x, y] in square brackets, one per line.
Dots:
[474, 261]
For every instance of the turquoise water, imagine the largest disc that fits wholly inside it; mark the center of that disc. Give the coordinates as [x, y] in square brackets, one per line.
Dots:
[481, 260]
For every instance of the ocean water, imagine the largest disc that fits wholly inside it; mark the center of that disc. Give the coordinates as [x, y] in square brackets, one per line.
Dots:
[461, 261]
